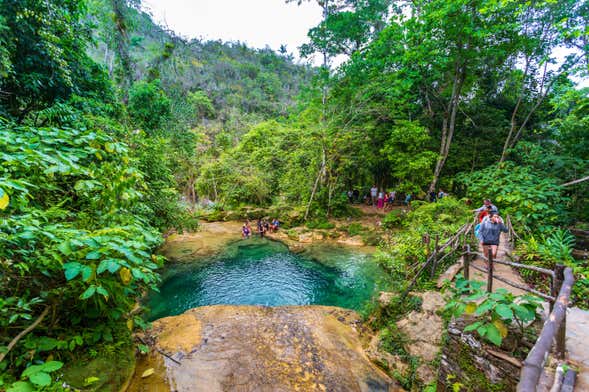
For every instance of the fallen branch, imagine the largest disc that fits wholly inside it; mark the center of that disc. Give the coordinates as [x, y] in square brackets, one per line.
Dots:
[576, 181]
[18, 337]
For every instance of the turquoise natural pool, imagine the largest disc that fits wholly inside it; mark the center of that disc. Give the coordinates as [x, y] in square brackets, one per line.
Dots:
[263, 272]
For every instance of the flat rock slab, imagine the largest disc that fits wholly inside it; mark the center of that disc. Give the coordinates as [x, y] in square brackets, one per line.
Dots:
[255, 348]
[577, 337]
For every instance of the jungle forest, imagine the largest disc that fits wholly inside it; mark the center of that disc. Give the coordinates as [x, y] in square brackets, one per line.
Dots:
[132, 159]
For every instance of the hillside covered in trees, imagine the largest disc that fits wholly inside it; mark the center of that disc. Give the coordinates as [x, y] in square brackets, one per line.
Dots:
[115, 131]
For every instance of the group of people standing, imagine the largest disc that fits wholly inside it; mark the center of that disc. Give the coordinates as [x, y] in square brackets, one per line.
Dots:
[263, 226]
[379, 198]
[489, 228]
[376, 197]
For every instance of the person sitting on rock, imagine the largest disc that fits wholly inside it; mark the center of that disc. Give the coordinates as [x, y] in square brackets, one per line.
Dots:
[275, 225]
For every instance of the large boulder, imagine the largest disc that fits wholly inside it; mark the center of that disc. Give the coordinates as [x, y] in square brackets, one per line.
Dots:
[254, 348]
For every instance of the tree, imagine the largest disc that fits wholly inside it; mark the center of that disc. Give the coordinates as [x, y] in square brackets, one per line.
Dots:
[42, 54]
[544, 27]
[409, 160]
[148, 105]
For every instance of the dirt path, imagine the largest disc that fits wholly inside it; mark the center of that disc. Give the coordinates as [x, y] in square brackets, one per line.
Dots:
[501, 270]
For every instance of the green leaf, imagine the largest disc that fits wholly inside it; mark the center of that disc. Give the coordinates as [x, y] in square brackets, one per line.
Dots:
[72, 270]
[52, 366]
[101, 290]
[484, 307]
[64, 248]
[493, 335]
[90, 380]
[472, 326]
[21, 386]
[523, 313]
[94, 255]
[504, 311]
[42, 379]
[31, 370]
[109, 264]
[86, 273]
[88, 293]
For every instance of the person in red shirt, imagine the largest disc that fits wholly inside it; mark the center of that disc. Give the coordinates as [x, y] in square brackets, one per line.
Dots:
[484, 213]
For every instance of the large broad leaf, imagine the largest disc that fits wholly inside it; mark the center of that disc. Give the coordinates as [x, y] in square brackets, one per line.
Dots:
[473, 326]
[72, 270]
[493, 335]
[94, 255]
[110, 264]
[523, 313]
[88, 293]
[504, 311]
[42, 379]
[470, 308]
[52, 366]
[484, 307]
[87, 273]
[32, 370]
[101, 290]
[65, 248]
[125, 275]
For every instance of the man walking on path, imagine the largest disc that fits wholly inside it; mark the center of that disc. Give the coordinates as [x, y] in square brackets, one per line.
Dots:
[373, 193]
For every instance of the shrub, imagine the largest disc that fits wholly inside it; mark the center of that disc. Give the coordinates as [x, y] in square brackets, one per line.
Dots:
[68, 233]
[355, 229]
[320, 225]
[493, 312]
[533, 201]
[393, 219]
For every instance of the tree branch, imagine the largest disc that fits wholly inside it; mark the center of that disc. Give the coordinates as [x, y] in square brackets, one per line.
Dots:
[576, 181]
[14, 341]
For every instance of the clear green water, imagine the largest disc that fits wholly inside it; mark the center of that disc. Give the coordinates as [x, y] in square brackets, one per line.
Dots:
[263, 272]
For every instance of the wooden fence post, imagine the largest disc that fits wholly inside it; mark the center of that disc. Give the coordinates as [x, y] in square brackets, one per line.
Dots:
[435, 256]
[490, 271]
[466, 259]
[555, 289]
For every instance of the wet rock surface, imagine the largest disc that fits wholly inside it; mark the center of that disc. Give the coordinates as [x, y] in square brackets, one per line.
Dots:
[210, 239]
[254, 348]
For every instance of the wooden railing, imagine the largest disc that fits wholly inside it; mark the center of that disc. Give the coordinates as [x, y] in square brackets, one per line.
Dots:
[441, 252]
[561, 279]
[554, 327]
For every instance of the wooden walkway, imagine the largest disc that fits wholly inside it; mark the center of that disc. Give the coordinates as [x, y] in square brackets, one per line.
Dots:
[577, 332]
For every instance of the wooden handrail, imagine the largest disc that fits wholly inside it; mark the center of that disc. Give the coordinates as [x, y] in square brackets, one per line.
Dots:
[516, 265]
[464, 229]
[534, 363]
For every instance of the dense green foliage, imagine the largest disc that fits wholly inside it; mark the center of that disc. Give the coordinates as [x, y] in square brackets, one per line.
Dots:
[71, 240]
[113, 129]
[404, 251]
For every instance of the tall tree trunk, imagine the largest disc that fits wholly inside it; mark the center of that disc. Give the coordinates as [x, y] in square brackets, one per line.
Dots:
[122, 39]
[448, 125]
[316, 184]
[515, 110]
